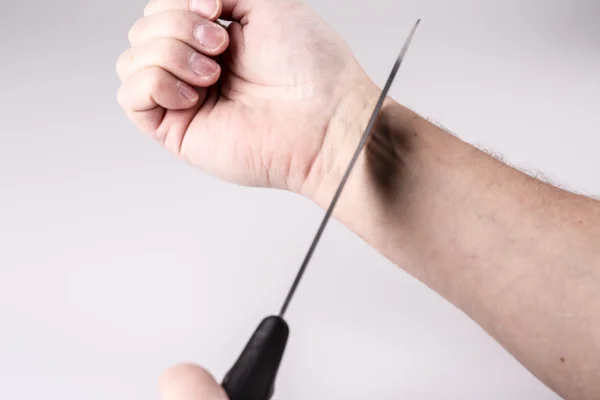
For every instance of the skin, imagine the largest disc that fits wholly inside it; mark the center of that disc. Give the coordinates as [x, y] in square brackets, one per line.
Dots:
[284, 106]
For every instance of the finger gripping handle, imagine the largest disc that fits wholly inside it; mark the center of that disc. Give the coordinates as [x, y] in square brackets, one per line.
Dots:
[252, 377]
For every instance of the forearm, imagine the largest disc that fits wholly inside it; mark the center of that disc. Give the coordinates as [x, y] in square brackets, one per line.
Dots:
[519, 256]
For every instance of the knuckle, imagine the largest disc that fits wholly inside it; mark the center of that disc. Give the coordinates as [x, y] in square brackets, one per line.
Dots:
[170, 52]
[181, 18]
[120, 65]
[175, 24]
[134, 31]
[149, 9]
[156, 79]
[121, 96]
[165, 53]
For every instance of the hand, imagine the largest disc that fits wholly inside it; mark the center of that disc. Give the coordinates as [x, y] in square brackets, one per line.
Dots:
[190, 382]
[261, 103]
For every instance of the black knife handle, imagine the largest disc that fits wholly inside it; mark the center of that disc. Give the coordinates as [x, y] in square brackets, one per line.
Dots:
[252, 377]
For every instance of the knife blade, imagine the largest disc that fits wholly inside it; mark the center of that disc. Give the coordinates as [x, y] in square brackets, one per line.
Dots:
[253, 375]
[359, 148]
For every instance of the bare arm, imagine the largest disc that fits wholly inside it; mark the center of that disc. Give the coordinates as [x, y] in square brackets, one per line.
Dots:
[519, 256]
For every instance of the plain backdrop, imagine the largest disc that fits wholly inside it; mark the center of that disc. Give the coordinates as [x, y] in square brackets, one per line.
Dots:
[117, 260]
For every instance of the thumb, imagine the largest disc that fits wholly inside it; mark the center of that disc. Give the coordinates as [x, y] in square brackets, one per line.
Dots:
[190, 382]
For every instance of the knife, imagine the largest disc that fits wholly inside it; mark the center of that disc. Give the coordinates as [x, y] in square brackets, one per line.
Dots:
[253, 375]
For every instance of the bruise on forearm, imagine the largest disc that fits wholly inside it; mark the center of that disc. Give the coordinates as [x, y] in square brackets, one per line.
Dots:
[384, 155]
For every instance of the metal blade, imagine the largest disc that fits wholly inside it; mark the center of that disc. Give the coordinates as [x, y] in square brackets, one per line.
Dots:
[361, 145]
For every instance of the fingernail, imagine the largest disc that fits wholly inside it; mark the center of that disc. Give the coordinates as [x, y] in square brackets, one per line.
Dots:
[205, 7]
[186, 91]
[202, 65]
[210, 36]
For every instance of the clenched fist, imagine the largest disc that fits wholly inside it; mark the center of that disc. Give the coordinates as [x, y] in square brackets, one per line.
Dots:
[268, 100]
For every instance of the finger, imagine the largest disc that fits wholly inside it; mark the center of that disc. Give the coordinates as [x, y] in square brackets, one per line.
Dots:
[154, 87]
[210, 9]
[190, 382]
[147, 95]
[203, 35]
[172, 55]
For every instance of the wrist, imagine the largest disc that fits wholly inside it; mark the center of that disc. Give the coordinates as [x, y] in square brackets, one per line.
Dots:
[387, 150]
[399, 168]
[345, 128]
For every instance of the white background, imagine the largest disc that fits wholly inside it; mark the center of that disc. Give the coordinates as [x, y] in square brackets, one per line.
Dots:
[117, 260]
